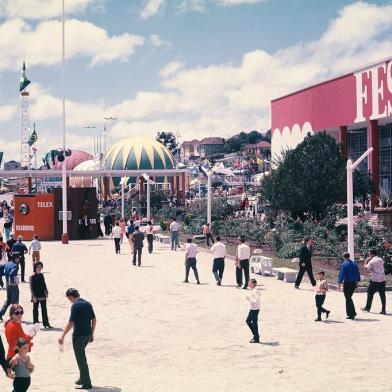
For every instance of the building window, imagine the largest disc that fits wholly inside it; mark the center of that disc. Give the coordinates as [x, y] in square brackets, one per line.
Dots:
[385, 145]
[357, 145]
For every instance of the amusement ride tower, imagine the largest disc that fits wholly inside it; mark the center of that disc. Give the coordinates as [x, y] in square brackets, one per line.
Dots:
[25, 160]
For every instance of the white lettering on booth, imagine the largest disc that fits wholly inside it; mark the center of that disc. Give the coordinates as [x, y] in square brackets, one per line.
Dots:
[44, 204]
[377, 91]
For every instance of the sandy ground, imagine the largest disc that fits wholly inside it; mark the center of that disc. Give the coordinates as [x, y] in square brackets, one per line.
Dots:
[156, 334]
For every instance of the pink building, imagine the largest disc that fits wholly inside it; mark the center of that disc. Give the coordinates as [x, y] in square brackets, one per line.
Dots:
[355, 108]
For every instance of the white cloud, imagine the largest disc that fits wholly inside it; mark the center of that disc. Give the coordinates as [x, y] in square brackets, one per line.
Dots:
[226, 98]
[191, 5]
[7, 113]
[151, 8]
[157, 41]
[237, 2]
[171, 69]
[39, 46]
[43, 9]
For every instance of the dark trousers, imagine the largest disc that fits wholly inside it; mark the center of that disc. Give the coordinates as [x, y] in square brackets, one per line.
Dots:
[22, 264]
[21, 384]
[191, 263]
[150, 242]
[319, 304]
[44, 312]
[373, 288]
[12, 298]
[79, 344]
[137, 251]
[302, 269]
[348, 290]
[218, 267]
[117, 245]
[208, 238]
[251, 320]
[108, 229]
[244, 265]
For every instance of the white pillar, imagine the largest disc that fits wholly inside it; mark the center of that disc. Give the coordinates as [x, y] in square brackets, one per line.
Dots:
[122, 198]
[350, 218]
[64, 237]
[209, 198]
[148, 200]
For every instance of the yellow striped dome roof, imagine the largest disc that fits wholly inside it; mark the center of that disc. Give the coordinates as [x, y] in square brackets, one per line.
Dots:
[138, 153]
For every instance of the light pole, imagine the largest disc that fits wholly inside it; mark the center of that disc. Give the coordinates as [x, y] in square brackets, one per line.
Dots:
[91, 127]
[64, 237]
[350, 202]
[110, 119]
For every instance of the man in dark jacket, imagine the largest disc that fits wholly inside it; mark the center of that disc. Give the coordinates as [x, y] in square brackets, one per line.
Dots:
[11, 277]
[305, 263]
[20, 248]
[3, 361]
[138, 238]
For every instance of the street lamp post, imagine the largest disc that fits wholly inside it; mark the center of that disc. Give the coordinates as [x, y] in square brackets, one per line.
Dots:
[64, 237]
[350, 202]
[110, 119]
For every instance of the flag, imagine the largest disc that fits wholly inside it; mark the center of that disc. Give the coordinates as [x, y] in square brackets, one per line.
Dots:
[24, 82]
[33, 137]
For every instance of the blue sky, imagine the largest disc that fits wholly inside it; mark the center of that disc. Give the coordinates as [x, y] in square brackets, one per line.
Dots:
[203, 67]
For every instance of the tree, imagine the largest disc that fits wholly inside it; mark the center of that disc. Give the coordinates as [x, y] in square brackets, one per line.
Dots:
[236, 142]
[308, 179]
[168, 140]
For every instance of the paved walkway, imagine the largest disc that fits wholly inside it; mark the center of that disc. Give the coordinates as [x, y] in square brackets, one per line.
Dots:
[156, 334]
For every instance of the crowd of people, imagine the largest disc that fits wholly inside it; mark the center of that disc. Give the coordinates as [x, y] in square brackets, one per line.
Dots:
[16, 361]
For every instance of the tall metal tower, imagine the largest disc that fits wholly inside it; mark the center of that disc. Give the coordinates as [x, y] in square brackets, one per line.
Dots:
[25, 129]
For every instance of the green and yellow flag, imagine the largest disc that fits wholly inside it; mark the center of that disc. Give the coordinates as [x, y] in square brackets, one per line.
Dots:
[33, 137]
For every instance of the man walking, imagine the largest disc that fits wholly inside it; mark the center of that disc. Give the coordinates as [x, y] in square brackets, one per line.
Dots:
[117, 234]
[9, 244]
[375, 267]
[150, 236]
[107, 222]
[83, 323]
[21, 249]
[242, 262]
[219, 251]
[190, 260]
[11, 278]
[174, 230]
[305, 263]
[349, 276]
[138, 238]
[207, 232]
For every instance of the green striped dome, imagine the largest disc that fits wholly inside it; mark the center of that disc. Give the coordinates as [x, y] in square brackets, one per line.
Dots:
[137, 153]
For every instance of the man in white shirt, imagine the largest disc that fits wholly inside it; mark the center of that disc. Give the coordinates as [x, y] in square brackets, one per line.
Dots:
[375, 267]
[174, 230]
[254, 302]
[219, 252]
[117, 235]
[242, 262]
[190, 260]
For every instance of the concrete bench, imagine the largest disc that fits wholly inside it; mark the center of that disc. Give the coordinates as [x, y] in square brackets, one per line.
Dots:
[261, 265]
[165, 239]
[199, 238]
[158, 236]
[287, 274]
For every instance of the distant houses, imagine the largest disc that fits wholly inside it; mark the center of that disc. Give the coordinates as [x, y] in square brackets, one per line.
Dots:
[209, 147]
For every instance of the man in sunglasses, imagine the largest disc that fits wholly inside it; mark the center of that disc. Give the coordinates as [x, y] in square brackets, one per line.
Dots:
[83, 322]
[11, 277]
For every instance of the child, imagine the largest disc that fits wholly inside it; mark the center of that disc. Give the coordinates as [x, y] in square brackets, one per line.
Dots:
[22, 366]
[321, 289]
[251, 320]
[39, 293]
[36, 247]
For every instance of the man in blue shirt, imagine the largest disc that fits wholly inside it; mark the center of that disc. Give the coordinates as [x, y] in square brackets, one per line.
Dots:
[11, 273]
[349, 276]
[20, 248]
[83, 322]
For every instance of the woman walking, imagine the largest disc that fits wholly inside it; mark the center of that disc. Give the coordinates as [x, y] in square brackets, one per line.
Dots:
[122, 225]
[13, 330]
[150, 236]
[39, 293]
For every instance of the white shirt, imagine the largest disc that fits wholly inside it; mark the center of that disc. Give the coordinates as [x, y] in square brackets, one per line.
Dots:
[376, 269]
[243, 252]
[190, 250]
[218, 250]
[149, 229]
[117, 232]
[35, 245]
[174, 226]
[254, 299]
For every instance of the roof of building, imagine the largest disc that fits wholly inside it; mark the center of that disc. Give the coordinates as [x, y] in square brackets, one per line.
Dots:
[260, 144]
[193, 142]
[212, 140]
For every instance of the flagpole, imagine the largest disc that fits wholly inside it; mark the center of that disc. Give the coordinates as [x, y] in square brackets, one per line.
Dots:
[64, 237]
